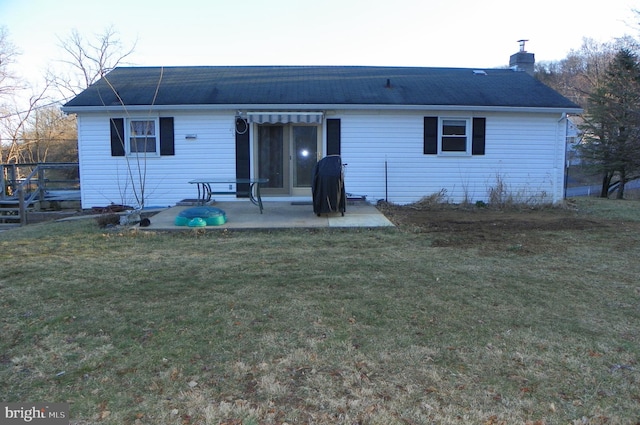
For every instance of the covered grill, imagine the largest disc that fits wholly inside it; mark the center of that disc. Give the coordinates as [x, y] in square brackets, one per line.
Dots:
[327, 186]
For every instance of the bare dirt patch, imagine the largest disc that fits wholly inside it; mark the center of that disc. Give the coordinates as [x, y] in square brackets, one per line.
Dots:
[514, 228]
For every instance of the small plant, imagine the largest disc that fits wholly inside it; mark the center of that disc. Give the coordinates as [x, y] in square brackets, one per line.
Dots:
[434, 199]
[498, 194]
[501, 196]
[107, 220]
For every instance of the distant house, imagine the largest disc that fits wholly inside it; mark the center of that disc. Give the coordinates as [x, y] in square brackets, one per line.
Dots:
[403, 132]
[573, 142]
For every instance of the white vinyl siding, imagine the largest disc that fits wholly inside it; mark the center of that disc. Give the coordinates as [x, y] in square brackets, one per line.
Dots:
[107, 179]
[384, 151]
[384, 157]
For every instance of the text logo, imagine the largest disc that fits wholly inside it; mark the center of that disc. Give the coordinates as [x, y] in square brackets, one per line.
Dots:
[34, 413]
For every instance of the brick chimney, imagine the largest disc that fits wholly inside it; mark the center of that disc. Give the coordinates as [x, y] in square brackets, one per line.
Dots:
[522, 61]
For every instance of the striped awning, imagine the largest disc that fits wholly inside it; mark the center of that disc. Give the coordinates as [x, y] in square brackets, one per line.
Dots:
[285, 117]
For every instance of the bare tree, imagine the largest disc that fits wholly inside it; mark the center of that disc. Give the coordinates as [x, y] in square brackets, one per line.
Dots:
[88, 60]
[8, 54]
[583, 69]
[49, 136]
[13, 125]
[9, 86]
[136, 160]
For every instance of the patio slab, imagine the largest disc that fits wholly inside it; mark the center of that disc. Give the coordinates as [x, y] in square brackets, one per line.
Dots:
[245, 215]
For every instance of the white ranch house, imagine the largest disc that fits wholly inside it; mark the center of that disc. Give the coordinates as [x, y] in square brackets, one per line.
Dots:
[403, 132]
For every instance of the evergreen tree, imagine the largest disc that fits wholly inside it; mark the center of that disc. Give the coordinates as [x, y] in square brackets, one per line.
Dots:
[611, 130]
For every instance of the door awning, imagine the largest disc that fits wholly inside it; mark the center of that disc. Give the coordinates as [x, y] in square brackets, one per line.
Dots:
[285, 117]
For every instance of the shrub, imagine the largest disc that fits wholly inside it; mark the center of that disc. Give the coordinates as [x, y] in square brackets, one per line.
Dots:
[106, 220]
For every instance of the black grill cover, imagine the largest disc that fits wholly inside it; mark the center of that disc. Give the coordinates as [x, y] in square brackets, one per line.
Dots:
[327, 186]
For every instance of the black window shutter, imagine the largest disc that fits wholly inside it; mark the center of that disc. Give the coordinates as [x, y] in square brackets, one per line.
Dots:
[430, 135]
[243, 164]
[478, 136]
[167, 145]
[333, 136]
[117, 136]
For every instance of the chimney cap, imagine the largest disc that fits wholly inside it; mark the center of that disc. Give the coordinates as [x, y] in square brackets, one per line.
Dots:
[522, 44]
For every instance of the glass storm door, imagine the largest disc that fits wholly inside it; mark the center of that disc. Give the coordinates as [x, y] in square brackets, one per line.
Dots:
[271, 162]
[286, 155]
[304, 144]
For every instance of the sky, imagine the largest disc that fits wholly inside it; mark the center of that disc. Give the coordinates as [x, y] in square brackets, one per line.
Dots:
[432, 33]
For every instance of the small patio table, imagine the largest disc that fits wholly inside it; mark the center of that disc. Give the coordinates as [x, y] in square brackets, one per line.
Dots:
[205, 191]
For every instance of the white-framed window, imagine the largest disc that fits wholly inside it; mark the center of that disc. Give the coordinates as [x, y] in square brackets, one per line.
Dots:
[143, 136]
[462, 136]
[455, 136]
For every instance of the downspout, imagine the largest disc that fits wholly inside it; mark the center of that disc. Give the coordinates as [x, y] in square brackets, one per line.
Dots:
[564, 145]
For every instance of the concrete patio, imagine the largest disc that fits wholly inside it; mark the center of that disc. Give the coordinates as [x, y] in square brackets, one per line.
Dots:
[245, 215]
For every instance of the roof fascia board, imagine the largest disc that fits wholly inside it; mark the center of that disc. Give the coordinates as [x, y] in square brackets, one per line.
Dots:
[303, 107]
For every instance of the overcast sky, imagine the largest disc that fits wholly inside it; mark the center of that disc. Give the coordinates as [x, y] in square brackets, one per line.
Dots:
[441, 33]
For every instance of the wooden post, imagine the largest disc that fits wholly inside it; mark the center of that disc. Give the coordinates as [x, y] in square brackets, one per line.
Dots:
[3, 188]
[11, 177]
[23, 210]
[41, 184]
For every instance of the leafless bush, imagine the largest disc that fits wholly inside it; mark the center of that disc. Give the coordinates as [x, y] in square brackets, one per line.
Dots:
[501, 196]
[499, 193]
[431, 201]
[106, 220]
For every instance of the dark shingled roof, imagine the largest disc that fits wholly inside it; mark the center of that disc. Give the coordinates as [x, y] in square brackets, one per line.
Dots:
[319, 85]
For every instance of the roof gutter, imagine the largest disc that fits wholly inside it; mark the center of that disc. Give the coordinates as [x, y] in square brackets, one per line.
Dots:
[314, 107]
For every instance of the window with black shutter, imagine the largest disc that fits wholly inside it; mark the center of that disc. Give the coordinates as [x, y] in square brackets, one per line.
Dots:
[454, 136]
[148, 136]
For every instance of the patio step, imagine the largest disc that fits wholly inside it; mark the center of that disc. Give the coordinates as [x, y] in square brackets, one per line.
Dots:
[10, 211]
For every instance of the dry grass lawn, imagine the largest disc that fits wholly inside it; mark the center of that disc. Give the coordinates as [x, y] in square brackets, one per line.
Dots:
[459, 316]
